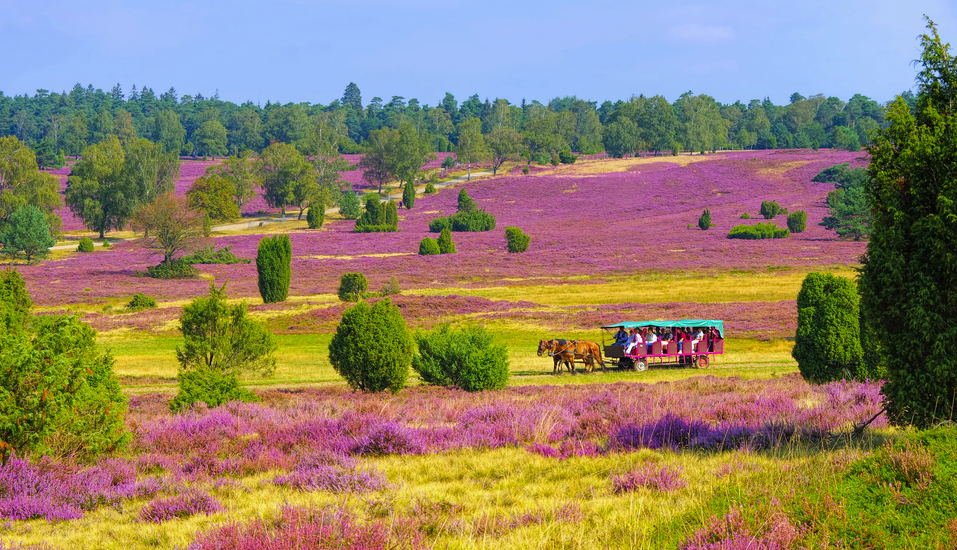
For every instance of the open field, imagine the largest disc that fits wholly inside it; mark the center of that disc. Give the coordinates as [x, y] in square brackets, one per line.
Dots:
[603, 460]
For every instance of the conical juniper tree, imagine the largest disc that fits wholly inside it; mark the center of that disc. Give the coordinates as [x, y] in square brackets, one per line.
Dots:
[909, 280]
[273, 267]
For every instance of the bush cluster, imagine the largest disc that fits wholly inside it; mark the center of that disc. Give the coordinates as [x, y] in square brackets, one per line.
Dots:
[566, 157]
[209, 255]
[140, 302]
[372, 347]
[469, 217]
[516, 240]
[758, 231]
[175, 269]
[86, 245]
[430, 189]
[797, 221]
[316, 215]
[379, 217]
[352, 287]
[468, 358]
[273, 267]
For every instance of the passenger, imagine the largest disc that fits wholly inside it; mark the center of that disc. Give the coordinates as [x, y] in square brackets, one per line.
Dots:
[621, 337]
[652, 338]
[633, 342]
[698, 336]
[665, 339]
[681, 335]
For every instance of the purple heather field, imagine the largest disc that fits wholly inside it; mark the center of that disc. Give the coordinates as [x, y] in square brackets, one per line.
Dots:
[598, 225]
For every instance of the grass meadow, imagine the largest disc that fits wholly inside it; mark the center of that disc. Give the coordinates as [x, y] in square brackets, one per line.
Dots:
[744, 454]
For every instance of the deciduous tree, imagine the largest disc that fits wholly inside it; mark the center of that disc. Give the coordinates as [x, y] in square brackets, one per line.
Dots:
[170, 226]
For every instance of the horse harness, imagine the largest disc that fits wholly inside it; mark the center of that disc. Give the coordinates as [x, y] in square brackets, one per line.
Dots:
[553, 351]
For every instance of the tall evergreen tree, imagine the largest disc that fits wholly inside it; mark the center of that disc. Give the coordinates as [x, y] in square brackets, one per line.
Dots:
[273, 267]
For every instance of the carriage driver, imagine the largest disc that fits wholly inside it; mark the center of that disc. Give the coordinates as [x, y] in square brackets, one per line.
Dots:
[621, 337]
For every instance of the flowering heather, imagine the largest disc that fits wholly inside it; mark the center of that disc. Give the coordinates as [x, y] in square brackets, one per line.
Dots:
[183, 505]
[301, 529]
[733, 531]
[616, 224]
[649, 476]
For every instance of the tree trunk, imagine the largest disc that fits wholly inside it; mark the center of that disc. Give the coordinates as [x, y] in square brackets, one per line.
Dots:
[470, 173]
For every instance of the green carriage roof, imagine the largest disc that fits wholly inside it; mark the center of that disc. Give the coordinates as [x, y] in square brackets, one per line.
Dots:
[683, 323]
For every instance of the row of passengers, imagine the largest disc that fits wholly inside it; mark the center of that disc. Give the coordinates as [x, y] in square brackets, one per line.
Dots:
[654, 334]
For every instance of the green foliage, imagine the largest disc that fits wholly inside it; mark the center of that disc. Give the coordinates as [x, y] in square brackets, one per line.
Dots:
[446, 246]
[352, 286]
[827, 345]
[391, 288]
[525, 170]
[58, 394]
[797, 221]
[516, 240]
[175, 269]
[476, 220]
[316, 215]
[430, 189]
[220, 344]
[465, 202]
[15, 302]
[428, 246]
[448, 162]
[86, 245]
[553, 160]
[566, 156]
[758, 231]
[372, 348]
[210, 387]
[408, 195]
[350, 207]
[208, 255]
[273, 263]
[27, 234]
[621, 137]
[379, 217]
[770, 209]
[909, 278]
[468, 358]
[207, 225]
[213, 194]
[850, 211]
[704, 222]
[140, 302]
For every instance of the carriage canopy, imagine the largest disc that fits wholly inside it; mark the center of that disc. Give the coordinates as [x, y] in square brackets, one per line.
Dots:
[683, 323]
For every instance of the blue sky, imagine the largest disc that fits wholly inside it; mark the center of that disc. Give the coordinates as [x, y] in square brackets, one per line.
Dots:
[309, 50]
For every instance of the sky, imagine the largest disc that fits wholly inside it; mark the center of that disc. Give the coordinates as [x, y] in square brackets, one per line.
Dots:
[309, 50]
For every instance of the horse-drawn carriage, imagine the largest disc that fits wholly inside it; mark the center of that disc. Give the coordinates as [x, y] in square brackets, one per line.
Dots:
[696, 348]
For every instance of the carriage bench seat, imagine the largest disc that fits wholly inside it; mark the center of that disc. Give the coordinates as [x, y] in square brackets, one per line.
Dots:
[615, 352]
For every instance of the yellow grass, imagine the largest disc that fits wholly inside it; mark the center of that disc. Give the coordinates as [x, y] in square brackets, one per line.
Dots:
[608, 166]
[648, 289]
[779, 169]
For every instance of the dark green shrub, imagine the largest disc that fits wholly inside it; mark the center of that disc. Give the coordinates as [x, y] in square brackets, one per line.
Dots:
[59, 394]
[758, 231]
[554, 160]
[175, 269]
[86, 245]
[465, 202]
[214, 388]
[467, 358]
[429, 247]
[106, 243]
[208, 255]
[566, 157]
[15, 302]
[704, 222]
[140, 301]
[391, 213]
[440, 223]
[372, 348]
[516, 240]
[745, 216]
[827, 345]
[770, 209]
[379, 217]
[430, 189]
[797, 221]
[26, 233]
[220, 344]
[273, 266]
[476, 220]
[448, 162]
[316, 215]
[408, 195]
[525, 169]
[446, 246]
[352, 286]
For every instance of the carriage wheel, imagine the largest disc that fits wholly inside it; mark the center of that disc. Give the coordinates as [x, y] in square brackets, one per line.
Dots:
[702, 361]
[641, 365]
[626, 364]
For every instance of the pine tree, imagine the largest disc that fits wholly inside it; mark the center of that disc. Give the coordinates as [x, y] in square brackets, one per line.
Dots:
[408, 196]
[446, 246]
[316, 215]
[827, 345]
[704, 222]
[273, 264]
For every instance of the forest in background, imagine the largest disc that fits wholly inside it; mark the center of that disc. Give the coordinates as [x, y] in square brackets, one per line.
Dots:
[68, 122]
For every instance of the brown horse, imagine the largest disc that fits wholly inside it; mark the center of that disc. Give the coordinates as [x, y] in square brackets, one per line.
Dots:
[568, 351]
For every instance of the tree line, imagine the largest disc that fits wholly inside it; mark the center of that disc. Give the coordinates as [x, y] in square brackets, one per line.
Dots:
[196, 125]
